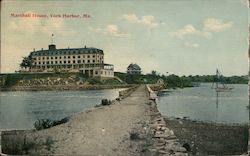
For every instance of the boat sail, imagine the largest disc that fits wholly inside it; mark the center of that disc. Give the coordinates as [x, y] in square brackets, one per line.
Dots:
[219, 85]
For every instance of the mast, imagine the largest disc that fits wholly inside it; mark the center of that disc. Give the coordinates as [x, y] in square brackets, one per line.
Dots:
[217, 78]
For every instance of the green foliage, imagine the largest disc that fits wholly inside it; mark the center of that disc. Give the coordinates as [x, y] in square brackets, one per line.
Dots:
[111, 81]
[94, 81]
[134, 136]
[212, 78]
[105, 102]
[47, 123]
[12, 79]
[27, 62]
[174, 81]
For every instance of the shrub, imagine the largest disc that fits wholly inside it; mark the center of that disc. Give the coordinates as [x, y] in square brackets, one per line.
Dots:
[47, 123]
[105, 102]
[134, 136]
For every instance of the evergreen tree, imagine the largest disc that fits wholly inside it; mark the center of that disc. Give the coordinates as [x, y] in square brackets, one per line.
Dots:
[27, 62]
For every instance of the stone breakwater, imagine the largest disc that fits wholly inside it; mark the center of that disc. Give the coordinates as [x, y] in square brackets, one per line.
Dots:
[164, 140]
[129, 126]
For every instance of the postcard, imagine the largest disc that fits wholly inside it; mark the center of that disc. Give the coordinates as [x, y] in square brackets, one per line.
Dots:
[124, 77]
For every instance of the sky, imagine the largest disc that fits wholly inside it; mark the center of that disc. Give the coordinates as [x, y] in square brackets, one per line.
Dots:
[180, 37]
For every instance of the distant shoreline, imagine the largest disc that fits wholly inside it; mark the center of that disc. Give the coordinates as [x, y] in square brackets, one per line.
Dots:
[63, 87]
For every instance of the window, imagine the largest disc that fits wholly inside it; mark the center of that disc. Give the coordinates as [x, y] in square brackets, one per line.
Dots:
[47, 62]
[47, 58]
[43, 62]
[79, 61]
[93, 61]
[51, 57]
[93, 56]
[74, 61]
[55, 57]
[88, 61]
[60, 57]
[43, 58]
[83, 61]
[51, 62]
[39, 62]
[83, 56]
[88, 56]
[65, 57]
[64, 62]
[60, 62]
[68, 56]
[96, 72]
[55, 62]
[79, 56]
[74, 57]
[39, 58]
[68, 61]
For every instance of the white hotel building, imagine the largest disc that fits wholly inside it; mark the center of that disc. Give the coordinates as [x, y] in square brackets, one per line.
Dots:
[89, 61]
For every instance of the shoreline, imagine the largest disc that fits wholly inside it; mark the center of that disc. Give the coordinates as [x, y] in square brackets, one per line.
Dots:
[209, 138]
[63, 87]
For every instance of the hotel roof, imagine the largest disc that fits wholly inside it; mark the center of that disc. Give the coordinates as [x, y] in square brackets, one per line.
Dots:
[69, 51]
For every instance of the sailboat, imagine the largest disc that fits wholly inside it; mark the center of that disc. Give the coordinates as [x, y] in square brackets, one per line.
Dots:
[219, 85]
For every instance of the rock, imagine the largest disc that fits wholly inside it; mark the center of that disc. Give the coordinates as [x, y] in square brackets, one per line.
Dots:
[162, 152]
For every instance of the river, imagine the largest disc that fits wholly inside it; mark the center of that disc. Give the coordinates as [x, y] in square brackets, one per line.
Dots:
[199, 103]
[19, 110]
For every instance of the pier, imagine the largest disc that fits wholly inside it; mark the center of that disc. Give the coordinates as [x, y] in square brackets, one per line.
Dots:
[131, 125]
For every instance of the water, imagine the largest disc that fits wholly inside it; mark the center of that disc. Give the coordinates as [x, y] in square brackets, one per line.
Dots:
[199, 103]
[19, 110]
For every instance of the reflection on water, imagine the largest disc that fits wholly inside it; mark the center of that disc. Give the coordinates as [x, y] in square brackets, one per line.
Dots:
[201, 103]
[21, 109]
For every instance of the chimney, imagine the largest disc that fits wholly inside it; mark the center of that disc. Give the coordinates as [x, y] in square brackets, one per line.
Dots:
[52, 47]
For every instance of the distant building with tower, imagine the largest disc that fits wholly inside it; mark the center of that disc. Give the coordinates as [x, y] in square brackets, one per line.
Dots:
[133, 68]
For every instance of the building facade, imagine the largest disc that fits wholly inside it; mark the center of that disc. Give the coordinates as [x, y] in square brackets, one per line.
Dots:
[133, 69]
[89, 61]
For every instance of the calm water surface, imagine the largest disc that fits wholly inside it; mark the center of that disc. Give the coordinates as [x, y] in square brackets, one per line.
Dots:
[19, 110]
[199, 103]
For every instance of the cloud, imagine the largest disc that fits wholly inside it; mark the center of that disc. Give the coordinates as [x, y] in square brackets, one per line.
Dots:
[189, 29]
[97, 30]
[147, 20]
[192, 45]
[110, 29]
[216, 25]
[210, 26]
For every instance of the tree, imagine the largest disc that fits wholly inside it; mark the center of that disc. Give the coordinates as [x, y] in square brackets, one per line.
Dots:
[153, 72]
[27, 62]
